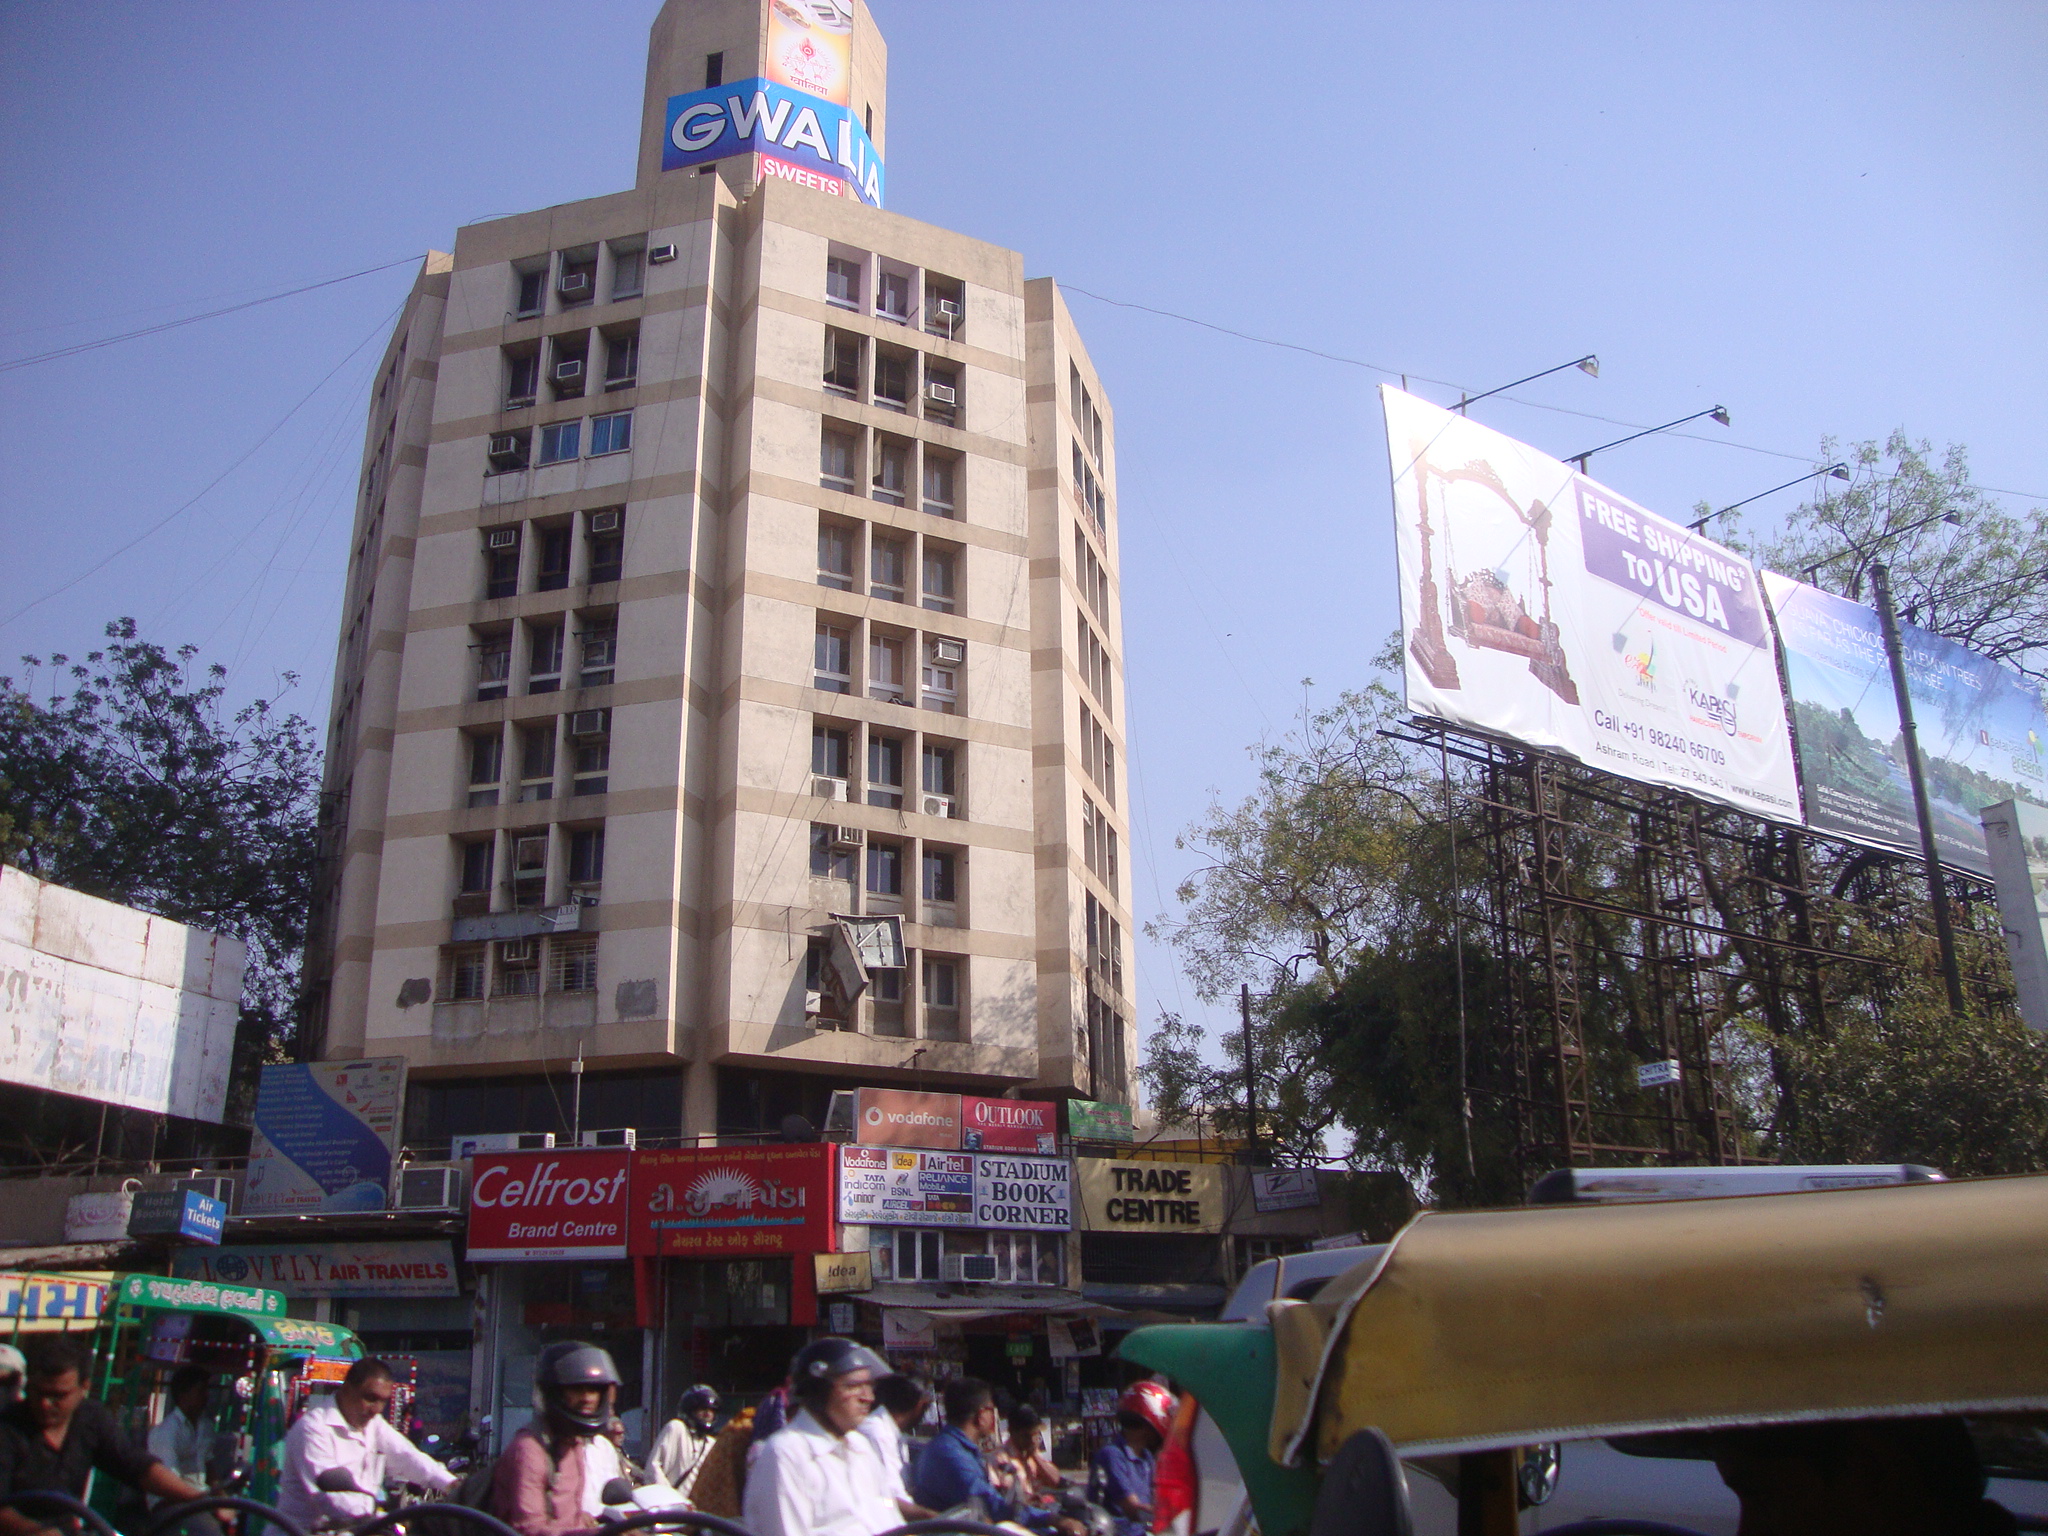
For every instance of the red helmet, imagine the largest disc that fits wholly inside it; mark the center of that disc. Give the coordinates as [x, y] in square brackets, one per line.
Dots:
[1152, 1403]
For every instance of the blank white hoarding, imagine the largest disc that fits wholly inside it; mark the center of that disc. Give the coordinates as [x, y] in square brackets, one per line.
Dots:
[2016, 833]
[1539, 605]
[108, 1003]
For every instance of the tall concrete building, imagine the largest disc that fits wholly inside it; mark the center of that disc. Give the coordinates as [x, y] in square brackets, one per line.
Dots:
[734, 569]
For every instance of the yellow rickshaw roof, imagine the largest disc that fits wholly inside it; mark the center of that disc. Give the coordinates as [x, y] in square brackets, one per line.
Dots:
[1486, 1329]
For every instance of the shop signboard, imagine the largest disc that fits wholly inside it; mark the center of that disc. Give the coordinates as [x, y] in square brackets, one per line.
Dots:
[732, 1202]
[1009, 1125]
[2016, 832]
[367, 1268]
[39, 1302]
[836, 1272]
[1285, 1189]
[1090, 1121]
[325, 1135]
[905, 1330]
[1136, 1196]
[529, 1206]
[891, 1117]
[1071, 1338]
[1023, 1194]
[895, 1187]
[179, 1213]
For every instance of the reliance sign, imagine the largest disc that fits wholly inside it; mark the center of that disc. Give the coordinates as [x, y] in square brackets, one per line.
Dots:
[548, 1205]
[799, 137]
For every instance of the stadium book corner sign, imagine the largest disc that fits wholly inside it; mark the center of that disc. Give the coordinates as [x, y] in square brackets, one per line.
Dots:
[1538, 605]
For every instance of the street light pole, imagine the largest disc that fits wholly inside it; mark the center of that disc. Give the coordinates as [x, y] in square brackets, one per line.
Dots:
[1937, 890]
[1251, 1078]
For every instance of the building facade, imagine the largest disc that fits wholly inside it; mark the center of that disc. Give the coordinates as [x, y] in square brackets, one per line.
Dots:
[731, 556]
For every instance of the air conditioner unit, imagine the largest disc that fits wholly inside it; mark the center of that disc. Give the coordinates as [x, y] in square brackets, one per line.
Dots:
[427, 1187]
[949, 652]
[606, 522]
[625, 1136]
[588, 722]
[941, 394]
[219, 1187]
[938, 805]
[574, 285]
[502, 1141]
[949, 309]
[967, 1267]
[502, 538]
[569, 371]
[814, 1004]
[508, 450]
[518, 402]
[848, 837]
[516, 950]
[825, 787]
[657, 254]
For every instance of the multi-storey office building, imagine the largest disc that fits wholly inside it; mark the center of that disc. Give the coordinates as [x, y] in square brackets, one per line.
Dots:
[730, 555]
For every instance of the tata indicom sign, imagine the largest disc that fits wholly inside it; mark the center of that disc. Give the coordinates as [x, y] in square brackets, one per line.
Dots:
[732, 1202]
[799, 137]
[548, 1205]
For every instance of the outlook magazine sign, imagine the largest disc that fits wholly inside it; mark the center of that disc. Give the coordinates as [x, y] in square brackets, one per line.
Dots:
[799, 137]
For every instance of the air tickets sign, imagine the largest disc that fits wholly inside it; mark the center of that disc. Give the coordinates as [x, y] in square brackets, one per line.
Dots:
[799, 137]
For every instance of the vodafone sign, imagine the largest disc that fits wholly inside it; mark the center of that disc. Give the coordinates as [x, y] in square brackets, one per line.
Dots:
[548, 1205]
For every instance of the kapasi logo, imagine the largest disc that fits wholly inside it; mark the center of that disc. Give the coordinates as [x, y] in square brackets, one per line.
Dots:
[1713, 708]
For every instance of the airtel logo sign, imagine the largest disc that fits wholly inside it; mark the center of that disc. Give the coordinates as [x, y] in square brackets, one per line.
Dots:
[496, 1187]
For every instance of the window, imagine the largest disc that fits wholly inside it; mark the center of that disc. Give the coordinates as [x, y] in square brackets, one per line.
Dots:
[892, 472]
[1098, 754]
[607, 541]
[842, 282]
[554, 558]
[833, 661]
[892, 296]
[830, 859]
[574, 967]
[544, 657]
[586, 857]
[885, 868]
[570, 371]
[611, 434]
[937, 773]
[938, 484]
[537, 763]
[530, 288]
[593, 761]
[941, 682]
[529, 868]
[941, 566]
[1087, 419]
[476, 867]
[501, 561]
[842, 363]
[1090, 576]
[522, 378]
[885, 668]
[518, 968]
[1094, 659]
[493, 666]
[714, 70]
[942, 1000]
[943, 310]
[600, 642]
[1105, 945]
[942, 395]
[835, 555]
[486, 767]
[939, 872]
[885, 771]
[892, 378]
[831, 754]
[621, 358]
[885, 1001]
[561, 441]
[628, 267]
[887, 558]
[578, 283]
[919, 1253]
[1098, 844]
[463, 973]
[835, 460]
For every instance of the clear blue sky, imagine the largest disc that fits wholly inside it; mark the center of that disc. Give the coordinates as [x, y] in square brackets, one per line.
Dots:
[1829, 217]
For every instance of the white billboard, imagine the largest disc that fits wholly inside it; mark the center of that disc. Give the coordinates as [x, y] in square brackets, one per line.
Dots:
[1539, 605]
[2016, 832]
[108, 1003]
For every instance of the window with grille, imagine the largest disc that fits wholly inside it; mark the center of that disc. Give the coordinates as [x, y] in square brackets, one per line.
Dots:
[463, 973]
[574, 967]
[518, 968]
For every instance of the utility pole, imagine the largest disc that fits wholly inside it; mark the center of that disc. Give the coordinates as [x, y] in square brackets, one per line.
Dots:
[1251, 1078]
[1937, 887]
[576, 1100]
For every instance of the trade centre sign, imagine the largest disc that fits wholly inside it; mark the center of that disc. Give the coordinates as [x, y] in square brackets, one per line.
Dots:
[1141, 1196]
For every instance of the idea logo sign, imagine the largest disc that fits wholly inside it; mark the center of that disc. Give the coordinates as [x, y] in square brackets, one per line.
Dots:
[548, 1205]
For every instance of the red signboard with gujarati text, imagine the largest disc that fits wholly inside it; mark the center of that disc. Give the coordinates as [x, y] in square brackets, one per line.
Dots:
[1009, 1125]
[893, 1117]
[733, 1202]
[548, 1205]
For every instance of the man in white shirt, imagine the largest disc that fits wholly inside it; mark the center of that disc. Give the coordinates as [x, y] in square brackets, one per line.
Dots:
[604, 1459]
[818, 1475]
[350, 1432]
[181, 1441]
[899, 1403]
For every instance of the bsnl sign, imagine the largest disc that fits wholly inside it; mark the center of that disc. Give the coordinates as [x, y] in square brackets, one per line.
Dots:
[799, 137]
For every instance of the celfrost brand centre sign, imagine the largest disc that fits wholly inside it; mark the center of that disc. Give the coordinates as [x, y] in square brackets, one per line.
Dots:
[548, 1205]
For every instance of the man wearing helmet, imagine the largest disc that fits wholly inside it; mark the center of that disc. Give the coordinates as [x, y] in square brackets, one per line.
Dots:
[685, 1440]
[537, 1487]
[1121, 1478]
[818, 1476]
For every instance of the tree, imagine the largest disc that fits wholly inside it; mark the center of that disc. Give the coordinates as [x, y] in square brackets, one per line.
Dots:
[140, 786]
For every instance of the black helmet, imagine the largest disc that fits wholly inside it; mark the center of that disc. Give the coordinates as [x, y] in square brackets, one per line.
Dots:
[573, 1364]
[697, 1397]
[817, 1365]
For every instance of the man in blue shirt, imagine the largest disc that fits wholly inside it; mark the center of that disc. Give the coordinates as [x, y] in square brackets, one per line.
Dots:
[1121, 1478]
[949, 1470]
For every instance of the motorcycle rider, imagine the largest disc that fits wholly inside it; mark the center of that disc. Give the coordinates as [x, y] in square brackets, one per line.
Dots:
[348, 1432]
[819, 1476]
[685, 1440]
[1121, 1478]
[537, 1487]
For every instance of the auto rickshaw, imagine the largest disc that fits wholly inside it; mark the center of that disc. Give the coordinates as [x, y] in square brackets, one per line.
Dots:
[152, 1324]
[1480, 1350]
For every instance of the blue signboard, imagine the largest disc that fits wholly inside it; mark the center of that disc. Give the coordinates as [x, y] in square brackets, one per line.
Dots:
[325, 1133]
[182, 1213]
[800, 137]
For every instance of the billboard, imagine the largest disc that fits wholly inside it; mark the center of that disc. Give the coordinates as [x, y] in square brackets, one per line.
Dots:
[810, 47]
[895, 1117]
[733, 1202]
[325, 1135]
[356, 1268]
[108, 1003]
[892, 1187]
[1150, 1197]
[1009, 1125]
[1539, 605]
[799, 137]
[2017, 835]
[1983, 728]
[548, 1205]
